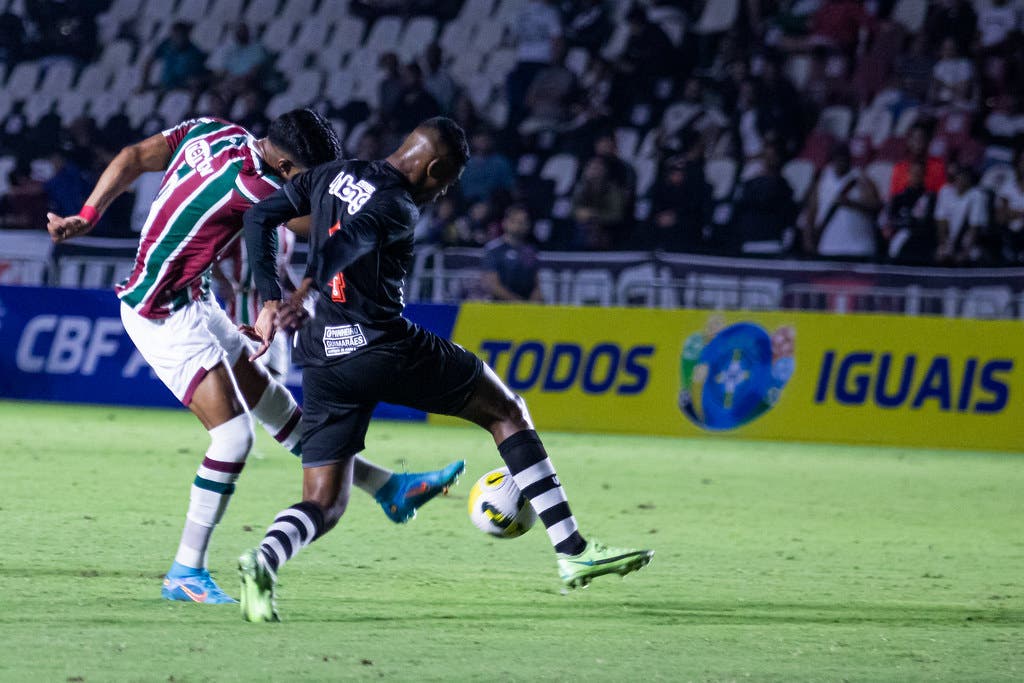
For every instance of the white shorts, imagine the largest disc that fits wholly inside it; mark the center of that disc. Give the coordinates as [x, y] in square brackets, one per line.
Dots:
[181, 349]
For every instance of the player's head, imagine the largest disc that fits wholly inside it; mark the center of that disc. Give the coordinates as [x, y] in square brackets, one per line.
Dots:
[300, 140]
[432, 157]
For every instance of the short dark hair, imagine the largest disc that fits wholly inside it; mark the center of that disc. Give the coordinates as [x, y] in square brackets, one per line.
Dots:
[306, 136]
[451, 135]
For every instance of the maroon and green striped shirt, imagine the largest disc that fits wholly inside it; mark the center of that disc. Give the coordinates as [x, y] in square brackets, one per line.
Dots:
[214, 176]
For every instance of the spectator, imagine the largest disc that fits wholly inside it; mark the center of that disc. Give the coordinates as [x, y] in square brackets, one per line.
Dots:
[838, 23]
[12, 38]
[998, 20]
[909, 228]
[535, 27]
[952, 77]
[914, 70]
[439, 223]
[1010, 210]
[961, 213]
[599, 208]
[954, 19]
[240, 65]
[438, 81]
[619, 171]
[680, 207]
[745, 122]
[68, 187]
[648, 56]
[416, 104]
[779, 106]
[763, 208]
[841, 209]
[24, 205]
[64, 28]
[182, 63]
[510, 264]
[917, 151]
[391, 87]
[487, 171]
[550, 95]
[589, 25]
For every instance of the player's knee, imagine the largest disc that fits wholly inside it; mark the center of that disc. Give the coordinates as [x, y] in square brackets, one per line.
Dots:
[232, 441]
[514, 413]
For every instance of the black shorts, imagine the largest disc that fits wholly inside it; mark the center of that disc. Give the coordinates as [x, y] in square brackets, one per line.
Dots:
[421, 371]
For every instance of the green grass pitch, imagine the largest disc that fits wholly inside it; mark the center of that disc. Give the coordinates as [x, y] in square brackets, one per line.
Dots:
[774, 562]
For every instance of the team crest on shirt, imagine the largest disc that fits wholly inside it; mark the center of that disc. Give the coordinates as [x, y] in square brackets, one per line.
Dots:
[197, 155]
[353, 192]
[341, 340]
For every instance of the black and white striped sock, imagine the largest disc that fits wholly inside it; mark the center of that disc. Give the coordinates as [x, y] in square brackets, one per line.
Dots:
[293, 529]
[535, 476]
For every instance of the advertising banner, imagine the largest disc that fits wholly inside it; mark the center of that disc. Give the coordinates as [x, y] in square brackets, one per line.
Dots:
[767, 375]
[69, 345]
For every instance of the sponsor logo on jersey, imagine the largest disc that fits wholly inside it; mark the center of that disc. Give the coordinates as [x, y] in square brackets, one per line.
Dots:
[730, 376]
[197, 155]
[353, 192]
[341, 340]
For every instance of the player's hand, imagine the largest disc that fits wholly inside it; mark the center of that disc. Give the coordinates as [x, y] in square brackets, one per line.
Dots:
[292, 315]
[264, 330]
[65, 227]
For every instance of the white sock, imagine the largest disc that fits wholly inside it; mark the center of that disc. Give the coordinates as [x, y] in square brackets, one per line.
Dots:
[213, 486]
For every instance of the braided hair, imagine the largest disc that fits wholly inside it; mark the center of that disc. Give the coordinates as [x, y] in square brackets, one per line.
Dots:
[306, 136]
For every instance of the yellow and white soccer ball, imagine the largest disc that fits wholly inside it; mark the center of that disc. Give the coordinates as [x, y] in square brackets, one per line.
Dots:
[498, 507]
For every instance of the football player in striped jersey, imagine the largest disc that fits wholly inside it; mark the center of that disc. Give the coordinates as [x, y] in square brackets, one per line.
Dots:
[214, 171]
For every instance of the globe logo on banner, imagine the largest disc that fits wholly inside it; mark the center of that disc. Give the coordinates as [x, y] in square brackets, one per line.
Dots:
[730, 376]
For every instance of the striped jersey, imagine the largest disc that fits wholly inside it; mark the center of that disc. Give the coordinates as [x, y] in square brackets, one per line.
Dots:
[214, 176]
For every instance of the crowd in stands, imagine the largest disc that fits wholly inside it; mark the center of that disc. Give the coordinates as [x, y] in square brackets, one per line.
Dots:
[885, 131]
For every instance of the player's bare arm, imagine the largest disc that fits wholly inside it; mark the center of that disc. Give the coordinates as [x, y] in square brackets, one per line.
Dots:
[152, 154]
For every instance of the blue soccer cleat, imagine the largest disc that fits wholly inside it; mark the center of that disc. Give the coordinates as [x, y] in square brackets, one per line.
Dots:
[198, 586]
[404, 493]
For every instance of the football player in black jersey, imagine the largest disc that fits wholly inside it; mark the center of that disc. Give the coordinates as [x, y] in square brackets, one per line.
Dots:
[357, 350]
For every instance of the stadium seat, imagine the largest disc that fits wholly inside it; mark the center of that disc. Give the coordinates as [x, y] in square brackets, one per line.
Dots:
[7, 165]
[339, 87]
[799, 173]
[616, 43]
[417, 35]
[818, 147]
[561, 168]
[455, 36]
[209, 33]
[627, 139]
[875, 123]
[488, 36]
[260, 12]
[576, 60]
[721, 174]
[70, 108]
[192, 10]
[57, 79]
[383, 36]
[718, 16]
[36, 106]
[671, 20]
[996, 176]
[348, 35]
[22, 80]
[138, 107]
[175, 106]
[679, 115]
[125, 82]
[354, 135]
[475, 11]
[880, 173]
[117, 54]
[837, 120]
[646, 173]
[223, 11]
[798, 68]
[499, 64]
[102, 106]
[910, 14]
[278, 34]
[906, 120]
[279, 104]
[312, 34]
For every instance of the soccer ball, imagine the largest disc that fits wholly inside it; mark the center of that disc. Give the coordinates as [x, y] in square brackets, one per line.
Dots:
[498, 507]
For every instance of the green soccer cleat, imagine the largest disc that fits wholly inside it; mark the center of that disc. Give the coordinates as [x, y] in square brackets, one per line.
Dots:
[257, 595]
[597, 559]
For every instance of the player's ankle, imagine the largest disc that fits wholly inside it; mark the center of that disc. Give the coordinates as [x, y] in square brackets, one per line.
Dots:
[178, 570]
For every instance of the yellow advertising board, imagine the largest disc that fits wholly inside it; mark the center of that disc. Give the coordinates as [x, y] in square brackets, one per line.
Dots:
[794, 376]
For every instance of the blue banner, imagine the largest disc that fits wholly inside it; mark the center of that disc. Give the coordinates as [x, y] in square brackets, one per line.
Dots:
[68, 345]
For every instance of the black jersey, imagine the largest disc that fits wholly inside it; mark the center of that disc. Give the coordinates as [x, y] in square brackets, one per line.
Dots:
[360, 249]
